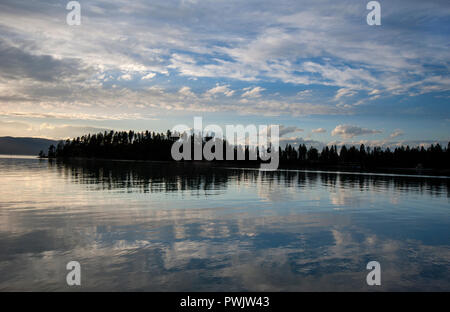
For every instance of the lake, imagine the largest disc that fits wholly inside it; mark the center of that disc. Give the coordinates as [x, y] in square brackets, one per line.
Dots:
[174, 227]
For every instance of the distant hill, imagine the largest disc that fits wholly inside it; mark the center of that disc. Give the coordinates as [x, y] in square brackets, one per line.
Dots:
[24, 146]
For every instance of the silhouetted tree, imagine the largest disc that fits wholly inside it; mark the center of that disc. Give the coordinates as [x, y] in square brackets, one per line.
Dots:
[157, 146]
[51, 151]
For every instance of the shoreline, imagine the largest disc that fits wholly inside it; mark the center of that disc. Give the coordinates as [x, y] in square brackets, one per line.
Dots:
[248, 165]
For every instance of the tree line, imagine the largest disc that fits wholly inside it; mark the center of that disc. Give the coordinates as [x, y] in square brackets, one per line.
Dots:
[157, 146]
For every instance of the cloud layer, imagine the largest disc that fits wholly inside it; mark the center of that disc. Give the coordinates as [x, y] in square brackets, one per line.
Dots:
[261, 58]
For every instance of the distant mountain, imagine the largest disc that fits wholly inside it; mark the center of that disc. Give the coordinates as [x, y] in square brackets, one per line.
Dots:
[24, 146]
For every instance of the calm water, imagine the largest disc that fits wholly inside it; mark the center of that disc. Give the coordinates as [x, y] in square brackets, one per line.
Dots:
[159, 227]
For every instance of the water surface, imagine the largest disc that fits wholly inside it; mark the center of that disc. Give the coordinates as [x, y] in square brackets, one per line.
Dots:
[169, 227]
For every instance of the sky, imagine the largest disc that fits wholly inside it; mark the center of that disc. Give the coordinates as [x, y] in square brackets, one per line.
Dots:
[316, 68]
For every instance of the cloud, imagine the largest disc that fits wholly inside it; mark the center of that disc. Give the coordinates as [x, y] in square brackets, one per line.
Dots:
[126, 77]
[220, 89]
[46, 130]
[344, 92]
[396, 133]
[148, 76]
[216, 48]
[186, 91]
[349, 131]
[304, 93]
[77, 116]
[11, 127]
[205, 42]
[291, 129]
[19, 64]
[253, 92]
[66, 131]
[319, 130]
